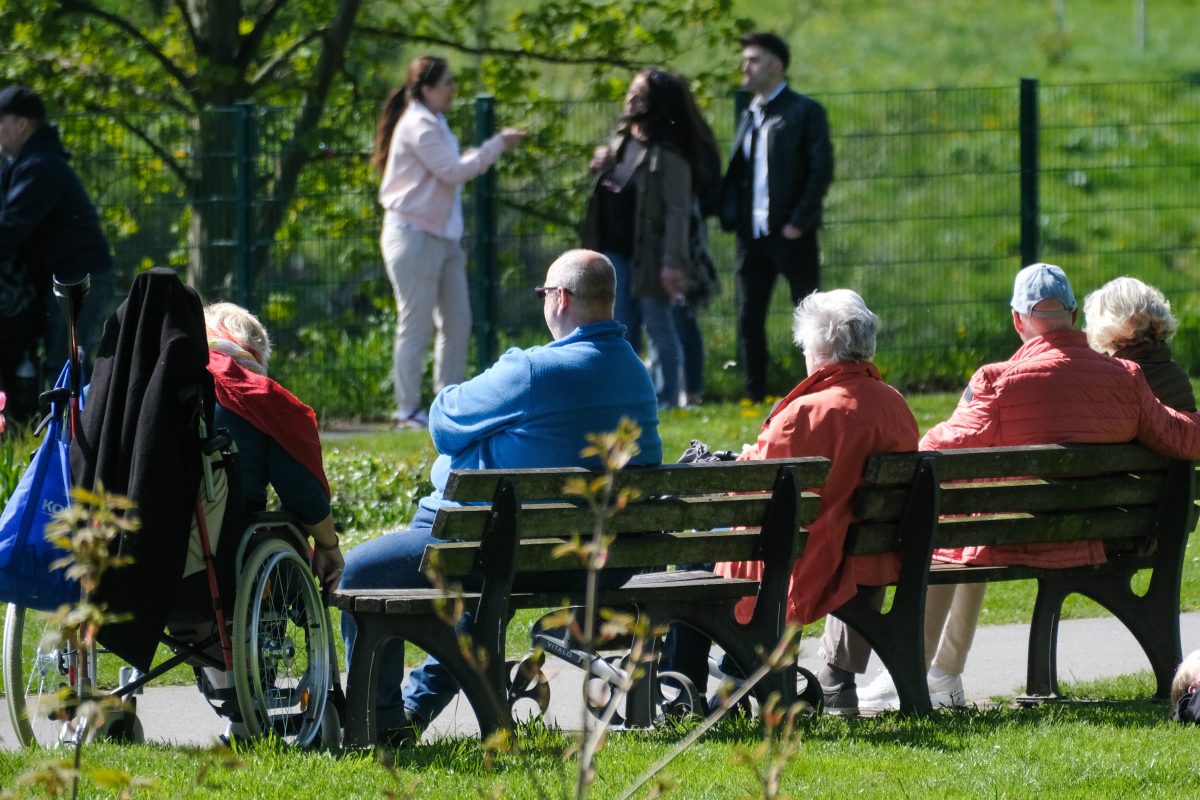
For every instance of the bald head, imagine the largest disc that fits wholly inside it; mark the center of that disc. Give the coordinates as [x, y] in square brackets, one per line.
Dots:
[588, 288]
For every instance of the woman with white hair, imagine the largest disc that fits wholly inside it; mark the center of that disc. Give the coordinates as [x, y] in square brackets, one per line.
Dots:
[276, 434]
[1129, 319]
[845, 412]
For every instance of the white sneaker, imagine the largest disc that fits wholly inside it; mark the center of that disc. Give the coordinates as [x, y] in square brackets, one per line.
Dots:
[947, 692]
[880, 694]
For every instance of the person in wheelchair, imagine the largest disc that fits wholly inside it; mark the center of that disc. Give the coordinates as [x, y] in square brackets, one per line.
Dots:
[276, 434]
[238, 593]
[532, 408]
[845, 412]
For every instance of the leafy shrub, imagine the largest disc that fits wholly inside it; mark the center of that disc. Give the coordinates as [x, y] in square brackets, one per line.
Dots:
[374, 494]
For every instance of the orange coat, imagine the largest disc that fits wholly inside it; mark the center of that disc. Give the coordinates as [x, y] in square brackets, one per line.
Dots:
[846, 413]
[1057, 390]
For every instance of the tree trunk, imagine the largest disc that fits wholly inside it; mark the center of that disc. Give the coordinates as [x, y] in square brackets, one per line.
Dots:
[212, 228]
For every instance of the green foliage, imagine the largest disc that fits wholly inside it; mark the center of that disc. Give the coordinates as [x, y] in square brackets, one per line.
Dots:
[16, 443]
[374, 494]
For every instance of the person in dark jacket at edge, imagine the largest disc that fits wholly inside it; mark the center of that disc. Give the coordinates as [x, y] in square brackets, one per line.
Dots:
[48, 228]
[778, 175]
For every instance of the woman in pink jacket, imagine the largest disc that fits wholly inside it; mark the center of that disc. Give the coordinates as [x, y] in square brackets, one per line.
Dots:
[423, 171]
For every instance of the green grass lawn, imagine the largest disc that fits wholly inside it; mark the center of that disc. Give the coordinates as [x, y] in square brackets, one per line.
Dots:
[1116, 749]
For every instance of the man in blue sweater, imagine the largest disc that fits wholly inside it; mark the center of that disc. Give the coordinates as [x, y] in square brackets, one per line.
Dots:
[532, 408]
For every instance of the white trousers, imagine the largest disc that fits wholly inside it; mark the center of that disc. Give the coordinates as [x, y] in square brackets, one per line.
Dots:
[429, 281]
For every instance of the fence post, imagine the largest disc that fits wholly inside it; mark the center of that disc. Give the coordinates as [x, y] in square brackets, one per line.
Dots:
[1029, 171]
[741, 102]
[485, 241]
[246, 155]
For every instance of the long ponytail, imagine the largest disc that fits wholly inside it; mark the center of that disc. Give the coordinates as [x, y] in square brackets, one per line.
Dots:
[423, 71]
[393, 107]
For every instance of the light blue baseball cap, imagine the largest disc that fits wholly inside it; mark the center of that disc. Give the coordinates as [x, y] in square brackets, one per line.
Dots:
[1039, 282]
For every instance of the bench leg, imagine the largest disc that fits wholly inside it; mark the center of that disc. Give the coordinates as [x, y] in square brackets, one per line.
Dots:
[892, 636]
[1041, 677]
[440, 641]
[640, 703]
[1153, 619]
[362, 683]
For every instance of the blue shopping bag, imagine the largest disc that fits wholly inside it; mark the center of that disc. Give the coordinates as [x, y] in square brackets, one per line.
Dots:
[25, 556]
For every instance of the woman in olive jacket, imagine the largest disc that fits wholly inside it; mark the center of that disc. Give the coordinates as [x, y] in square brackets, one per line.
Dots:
[640, 212]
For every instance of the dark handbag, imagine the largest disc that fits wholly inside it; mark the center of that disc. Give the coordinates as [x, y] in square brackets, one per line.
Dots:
[698, 453]
[25, 556]
[702, 283]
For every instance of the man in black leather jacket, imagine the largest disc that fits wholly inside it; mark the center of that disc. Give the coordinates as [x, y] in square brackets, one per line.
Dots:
[48, 227]
[779, 172]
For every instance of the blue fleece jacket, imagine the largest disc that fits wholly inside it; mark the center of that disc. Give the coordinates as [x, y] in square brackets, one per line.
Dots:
[535, 407]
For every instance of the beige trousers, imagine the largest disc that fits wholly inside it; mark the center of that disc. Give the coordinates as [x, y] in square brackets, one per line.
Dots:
[429, 281]
[951, 616]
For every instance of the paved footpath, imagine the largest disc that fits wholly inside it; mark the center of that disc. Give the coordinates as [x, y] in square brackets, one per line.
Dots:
[180, 715]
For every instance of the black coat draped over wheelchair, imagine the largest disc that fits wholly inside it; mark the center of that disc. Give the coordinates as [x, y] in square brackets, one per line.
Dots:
[149, 388]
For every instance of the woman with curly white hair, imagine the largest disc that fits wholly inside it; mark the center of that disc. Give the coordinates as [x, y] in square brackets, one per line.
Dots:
[1132, 320]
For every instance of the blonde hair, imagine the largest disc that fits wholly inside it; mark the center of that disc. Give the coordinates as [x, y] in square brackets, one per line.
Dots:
[231, 321]
[1126, 311]
[1187, 676]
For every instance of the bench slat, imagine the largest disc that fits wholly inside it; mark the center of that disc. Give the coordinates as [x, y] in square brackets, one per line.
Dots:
[536, 555]
[1065, 494]
[1134, 523]
[669, 514]
[479, 486]
[1035, 461]
[677, 586]
[943, 573]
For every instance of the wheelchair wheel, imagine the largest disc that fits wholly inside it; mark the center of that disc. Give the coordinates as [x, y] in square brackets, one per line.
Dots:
[38, 681]
[281, 645]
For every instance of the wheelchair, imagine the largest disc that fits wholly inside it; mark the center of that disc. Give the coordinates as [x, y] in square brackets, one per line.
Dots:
[271, 666]
[282, 661]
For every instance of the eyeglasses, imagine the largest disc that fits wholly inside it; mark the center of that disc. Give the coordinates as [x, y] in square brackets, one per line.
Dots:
[542, 291]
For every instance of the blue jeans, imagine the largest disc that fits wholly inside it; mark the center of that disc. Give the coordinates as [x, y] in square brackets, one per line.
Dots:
[626, 309]
[394, 561]
[659, 317]
[688, 328]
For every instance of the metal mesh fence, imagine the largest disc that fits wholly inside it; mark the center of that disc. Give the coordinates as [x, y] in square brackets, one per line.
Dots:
[923, 219]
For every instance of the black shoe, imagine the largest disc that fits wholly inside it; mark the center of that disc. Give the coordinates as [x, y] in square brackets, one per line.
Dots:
[406, 735]
[840, 699]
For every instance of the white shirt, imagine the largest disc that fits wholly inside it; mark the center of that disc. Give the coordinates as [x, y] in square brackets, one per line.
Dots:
[761, 200]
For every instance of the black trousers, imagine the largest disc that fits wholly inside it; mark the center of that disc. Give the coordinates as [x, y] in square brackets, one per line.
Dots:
[759, 263]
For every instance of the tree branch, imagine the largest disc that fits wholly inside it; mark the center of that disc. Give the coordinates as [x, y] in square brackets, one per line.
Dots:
[250, 43]
[294, 153]
[55, 64]
[119, 22]
[506, 52]
[266, 70]
[167, 156]
[193, 34]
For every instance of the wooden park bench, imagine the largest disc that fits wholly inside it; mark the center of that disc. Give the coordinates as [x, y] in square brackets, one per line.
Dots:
[1138, 503]
[681, 514]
